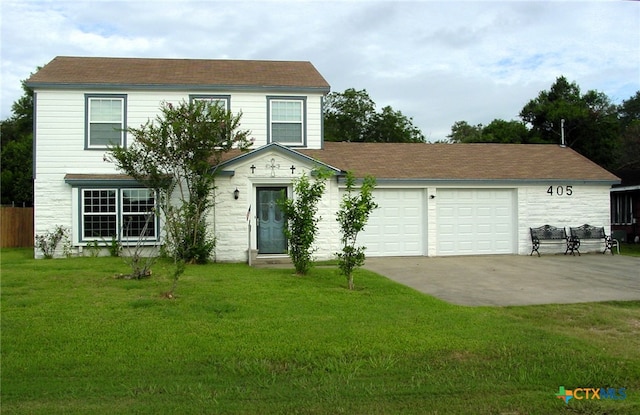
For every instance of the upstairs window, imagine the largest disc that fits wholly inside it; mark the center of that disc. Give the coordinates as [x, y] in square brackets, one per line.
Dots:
[105, 121]
[287, 120]
[221, 100]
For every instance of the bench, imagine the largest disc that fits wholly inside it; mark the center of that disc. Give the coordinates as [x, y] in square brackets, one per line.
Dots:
[588, 233]
[549, 234]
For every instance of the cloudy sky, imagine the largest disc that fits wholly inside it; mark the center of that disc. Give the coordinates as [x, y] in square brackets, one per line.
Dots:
[437, 62]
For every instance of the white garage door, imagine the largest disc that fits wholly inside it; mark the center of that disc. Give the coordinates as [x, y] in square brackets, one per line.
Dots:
[396, 228]
[474, 222]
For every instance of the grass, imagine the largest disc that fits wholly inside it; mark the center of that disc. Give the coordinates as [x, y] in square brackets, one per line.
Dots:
[263, 341]
[630, 249]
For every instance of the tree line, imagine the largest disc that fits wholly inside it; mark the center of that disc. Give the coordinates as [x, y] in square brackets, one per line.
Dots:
[589, 122]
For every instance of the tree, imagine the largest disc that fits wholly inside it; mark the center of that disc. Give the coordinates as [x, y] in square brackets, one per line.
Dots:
[629, 152]
[353, 216]
[463, 132]
[301, 225]
[173, 156]
[590, 121]
[501, 131]
[17, 171]
[351, 116]
[391, 126]
[629, 110]
[16, 134]
[497, 131]
[347, 115]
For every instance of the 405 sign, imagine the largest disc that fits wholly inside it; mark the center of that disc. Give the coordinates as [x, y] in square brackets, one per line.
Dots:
[560, 190]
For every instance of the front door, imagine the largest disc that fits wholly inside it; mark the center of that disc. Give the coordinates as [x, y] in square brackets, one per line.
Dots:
[270, 221]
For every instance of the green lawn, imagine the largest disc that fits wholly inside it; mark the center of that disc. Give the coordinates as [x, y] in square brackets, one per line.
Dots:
[239, 340]
[630, 249]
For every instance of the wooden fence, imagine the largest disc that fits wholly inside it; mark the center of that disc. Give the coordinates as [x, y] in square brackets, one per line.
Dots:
[16, 227]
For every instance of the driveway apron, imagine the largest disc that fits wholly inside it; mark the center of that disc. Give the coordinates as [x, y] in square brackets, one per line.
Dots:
[504, 280]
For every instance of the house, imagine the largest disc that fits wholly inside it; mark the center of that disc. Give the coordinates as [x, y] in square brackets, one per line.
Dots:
[434, 199]
[625, 207]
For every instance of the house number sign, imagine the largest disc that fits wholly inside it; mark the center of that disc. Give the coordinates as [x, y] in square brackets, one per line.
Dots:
[560, 190]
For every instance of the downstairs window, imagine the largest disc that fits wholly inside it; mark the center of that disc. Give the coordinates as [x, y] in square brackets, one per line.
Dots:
[126, 214]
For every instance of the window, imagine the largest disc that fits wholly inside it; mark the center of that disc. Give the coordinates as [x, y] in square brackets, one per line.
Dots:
[222, 100]
[105, 121]
[621, 208]
[127, 214]
[286, 120]
[138, 218]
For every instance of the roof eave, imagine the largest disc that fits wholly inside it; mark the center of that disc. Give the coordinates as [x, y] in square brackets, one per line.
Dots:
[486, 182]
[179, 87]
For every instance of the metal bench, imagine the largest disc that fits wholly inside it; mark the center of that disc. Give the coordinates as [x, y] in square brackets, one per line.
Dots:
[550, 234]
[588, 233]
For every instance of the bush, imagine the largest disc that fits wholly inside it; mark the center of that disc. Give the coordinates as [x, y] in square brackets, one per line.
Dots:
[352, 217]
[301, 223]
[48, 243]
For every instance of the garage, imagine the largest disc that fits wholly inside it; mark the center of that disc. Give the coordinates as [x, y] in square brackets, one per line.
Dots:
[396, 228]
[476, 221]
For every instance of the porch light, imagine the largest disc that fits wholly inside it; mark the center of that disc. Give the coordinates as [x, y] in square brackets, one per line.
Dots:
[236, 194]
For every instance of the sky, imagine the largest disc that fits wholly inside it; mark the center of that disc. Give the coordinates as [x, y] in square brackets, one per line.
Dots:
[437, 62]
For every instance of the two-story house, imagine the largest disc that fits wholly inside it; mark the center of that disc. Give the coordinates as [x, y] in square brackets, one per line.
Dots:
[435, 199]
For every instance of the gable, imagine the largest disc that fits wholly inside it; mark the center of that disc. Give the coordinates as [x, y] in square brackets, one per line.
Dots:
[269, 159]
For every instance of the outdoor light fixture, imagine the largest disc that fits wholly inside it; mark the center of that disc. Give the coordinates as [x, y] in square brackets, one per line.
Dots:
[432, 197]
[236, 194]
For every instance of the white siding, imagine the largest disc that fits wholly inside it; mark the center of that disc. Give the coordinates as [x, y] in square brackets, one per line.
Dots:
[230, 217]
[60, 140]
[587, 204]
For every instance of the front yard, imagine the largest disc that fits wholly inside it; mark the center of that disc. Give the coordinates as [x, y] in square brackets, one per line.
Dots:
[75, 340]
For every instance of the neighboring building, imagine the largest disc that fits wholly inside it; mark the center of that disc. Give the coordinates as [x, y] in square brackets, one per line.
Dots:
[625, 207]
[435, 199]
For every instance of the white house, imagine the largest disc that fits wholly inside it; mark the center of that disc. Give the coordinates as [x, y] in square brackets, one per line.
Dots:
[435, 199]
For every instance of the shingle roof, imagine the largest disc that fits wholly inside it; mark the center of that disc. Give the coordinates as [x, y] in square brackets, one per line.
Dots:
[65, 70]
[461, 161]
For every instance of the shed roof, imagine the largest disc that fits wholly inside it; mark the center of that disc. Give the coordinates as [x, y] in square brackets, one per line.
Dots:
[461, 161]
[200, 73]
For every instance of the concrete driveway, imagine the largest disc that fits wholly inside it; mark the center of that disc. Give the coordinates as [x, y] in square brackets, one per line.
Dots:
[503, 280]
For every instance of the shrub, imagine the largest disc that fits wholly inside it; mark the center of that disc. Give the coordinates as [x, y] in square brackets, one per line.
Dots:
[353, 216]
[301, 225]
[48, 243]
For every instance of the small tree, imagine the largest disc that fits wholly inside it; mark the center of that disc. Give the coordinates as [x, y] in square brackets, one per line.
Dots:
[140, 265]
[173, 156]
[301, 224]
[353, 216]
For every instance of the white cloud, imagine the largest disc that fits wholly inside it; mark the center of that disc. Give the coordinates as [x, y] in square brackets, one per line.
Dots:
[438, 62]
